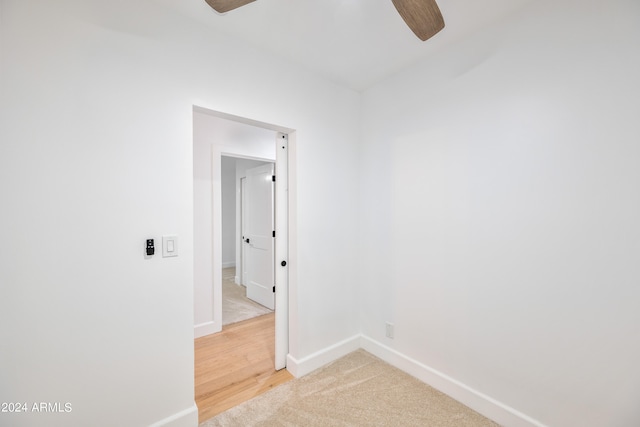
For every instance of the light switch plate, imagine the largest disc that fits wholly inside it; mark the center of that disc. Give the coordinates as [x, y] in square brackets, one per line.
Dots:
[169, 245]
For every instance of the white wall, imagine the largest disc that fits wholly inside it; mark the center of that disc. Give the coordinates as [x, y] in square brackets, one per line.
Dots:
[96, 156]
[229, 211]
[500, 205]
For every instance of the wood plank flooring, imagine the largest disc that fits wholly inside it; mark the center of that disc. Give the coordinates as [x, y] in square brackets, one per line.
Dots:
[235, 365]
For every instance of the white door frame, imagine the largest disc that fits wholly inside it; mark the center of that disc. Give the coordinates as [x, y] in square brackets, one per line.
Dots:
[283, 246]
[241, 263]
[281, 250]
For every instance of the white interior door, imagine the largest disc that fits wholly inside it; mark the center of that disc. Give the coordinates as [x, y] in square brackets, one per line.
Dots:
[259, 239]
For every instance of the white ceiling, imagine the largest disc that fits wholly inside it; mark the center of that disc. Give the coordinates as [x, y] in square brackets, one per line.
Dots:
[352, 42]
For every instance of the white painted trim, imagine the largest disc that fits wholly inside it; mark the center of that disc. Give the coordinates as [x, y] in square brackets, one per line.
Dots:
[240, 119]
[206, 328]
[228, 264]
[294, 331]
[216, 233]
[485, 405]
[308, 364]
[474, 399]
[281, 251]
[185, 418]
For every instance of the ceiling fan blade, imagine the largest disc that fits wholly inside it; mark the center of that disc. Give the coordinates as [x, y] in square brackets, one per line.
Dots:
[222, 6]
[422, 16]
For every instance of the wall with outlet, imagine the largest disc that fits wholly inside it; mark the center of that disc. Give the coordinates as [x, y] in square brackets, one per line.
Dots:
[501, 234]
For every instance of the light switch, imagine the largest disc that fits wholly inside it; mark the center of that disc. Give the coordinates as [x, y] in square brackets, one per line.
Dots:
[170, 245]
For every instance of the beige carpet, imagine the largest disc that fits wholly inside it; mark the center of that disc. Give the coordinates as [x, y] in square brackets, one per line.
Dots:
[357, 390]
[235, 304]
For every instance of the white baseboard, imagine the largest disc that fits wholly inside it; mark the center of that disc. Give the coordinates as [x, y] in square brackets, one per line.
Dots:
[308, 364]
[479, 402]
[185, 418]
[228, 264]
[206, 328]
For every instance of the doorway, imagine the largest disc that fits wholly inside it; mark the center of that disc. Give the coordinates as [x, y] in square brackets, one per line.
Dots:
[244, 274]
[216, 135]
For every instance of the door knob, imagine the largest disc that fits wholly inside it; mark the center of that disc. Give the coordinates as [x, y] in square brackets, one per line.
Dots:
[283, 263]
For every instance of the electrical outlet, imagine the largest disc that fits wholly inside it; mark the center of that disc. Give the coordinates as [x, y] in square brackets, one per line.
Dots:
[389, 330]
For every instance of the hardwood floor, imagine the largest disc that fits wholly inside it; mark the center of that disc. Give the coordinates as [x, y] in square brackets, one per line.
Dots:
[235, 365]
